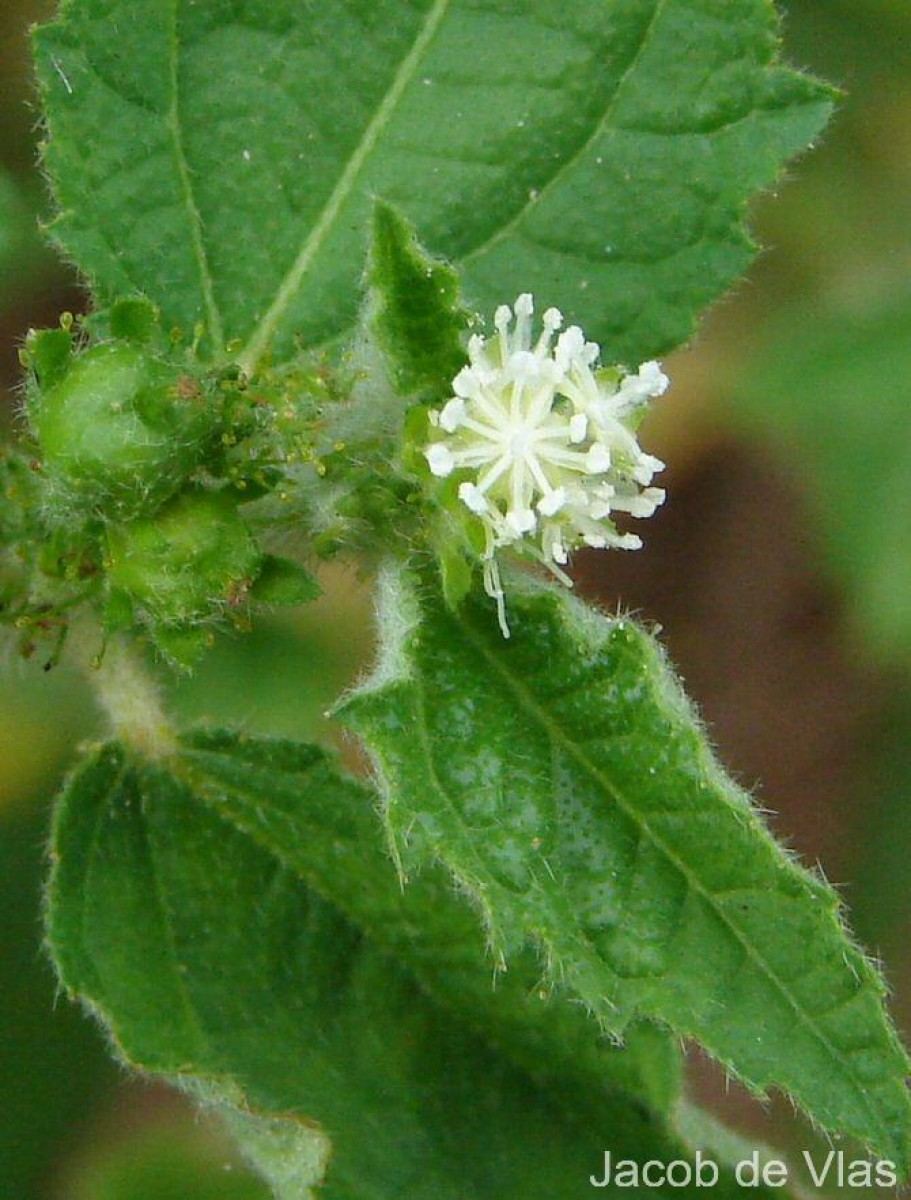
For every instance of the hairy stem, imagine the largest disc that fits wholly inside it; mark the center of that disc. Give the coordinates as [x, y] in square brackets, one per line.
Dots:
[130, 700]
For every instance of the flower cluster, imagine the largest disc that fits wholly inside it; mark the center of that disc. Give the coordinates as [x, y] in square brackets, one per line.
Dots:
[544, 439]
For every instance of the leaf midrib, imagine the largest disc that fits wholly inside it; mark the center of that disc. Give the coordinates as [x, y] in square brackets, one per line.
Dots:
[125, 771]
[191, 767]
[204, 1045]
[262, 335]
[597, 129]
[215, 327]
[557, 736]
[498, 945]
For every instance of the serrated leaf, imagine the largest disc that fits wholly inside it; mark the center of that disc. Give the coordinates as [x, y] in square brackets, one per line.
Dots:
[564, 779]
[223, 159]
[414, 308]
[173, 911]
[290, 1154]
[438, 937]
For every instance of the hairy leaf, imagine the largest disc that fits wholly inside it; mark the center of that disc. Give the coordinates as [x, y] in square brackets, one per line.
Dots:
[564, 779]
[206, 908]
[438, 936]
[223, 158]
[414, 309]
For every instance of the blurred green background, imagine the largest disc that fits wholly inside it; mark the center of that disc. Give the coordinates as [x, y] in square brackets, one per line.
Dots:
[780, 572]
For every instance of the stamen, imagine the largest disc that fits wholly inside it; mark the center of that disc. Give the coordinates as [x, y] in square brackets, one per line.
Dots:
[544, 433]
[439, 459]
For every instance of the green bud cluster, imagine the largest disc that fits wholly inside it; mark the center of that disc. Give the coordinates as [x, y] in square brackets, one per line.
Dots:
[137, 479]
[180, 568]
[119, 431]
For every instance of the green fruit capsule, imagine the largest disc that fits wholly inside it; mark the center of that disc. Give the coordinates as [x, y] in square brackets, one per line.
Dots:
[120, 431]
[192, 560]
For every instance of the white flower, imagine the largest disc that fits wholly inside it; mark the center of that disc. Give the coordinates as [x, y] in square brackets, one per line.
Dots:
[542, 437]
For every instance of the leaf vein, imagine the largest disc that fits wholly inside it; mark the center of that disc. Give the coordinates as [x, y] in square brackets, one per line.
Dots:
[259, 340]
[507, 229]
[168, 929]
[553, 731]
[175, 129]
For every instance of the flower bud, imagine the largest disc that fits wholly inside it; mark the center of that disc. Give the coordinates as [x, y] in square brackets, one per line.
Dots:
[119, 431]
[192, 560]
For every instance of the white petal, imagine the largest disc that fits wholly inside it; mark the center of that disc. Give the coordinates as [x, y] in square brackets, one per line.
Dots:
[467, 382]
[476, 344]
[439, 459]
[649, 381]
[578, 427]
[550, 371]
[642, 504]
[558, 550]
[570, 343]
[654, 378]
[523, 365]
[597, 460]
[653, 497]
[646, 468]
[452, 413]
[551, 504]
[521, 520]
[473, 497]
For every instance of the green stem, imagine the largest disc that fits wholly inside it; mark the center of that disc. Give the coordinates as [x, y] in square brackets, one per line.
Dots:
[131, 701]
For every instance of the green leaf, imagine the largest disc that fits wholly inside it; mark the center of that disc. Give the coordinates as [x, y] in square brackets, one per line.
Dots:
[565, 781]
[290, 1154]
[223, 159]
[414, 308]
[48, 352]
[188, 907]
[849, 374]
[282, 581]
[134, 319]
[438, 937]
